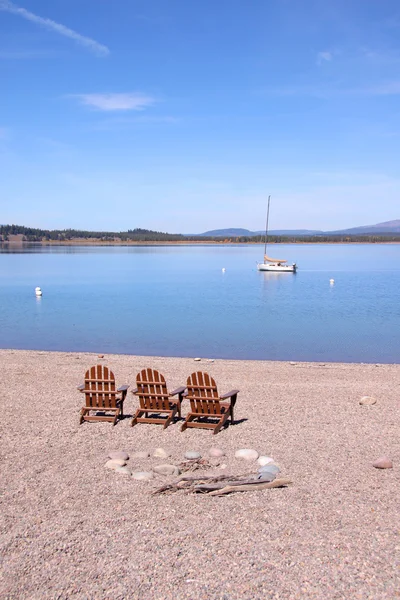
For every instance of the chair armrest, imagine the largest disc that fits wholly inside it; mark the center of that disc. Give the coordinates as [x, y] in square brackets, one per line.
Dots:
[135, 391]
[81, 387]
[123, 388]
[178, 390]
[229, 394]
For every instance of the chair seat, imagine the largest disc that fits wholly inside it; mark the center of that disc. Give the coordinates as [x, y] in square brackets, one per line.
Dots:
[155, 400]
[206, 404]
[101, 395]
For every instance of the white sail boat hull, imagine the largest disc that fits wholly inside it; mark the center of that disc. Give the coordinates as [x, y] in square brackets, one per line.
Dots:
[277, 267]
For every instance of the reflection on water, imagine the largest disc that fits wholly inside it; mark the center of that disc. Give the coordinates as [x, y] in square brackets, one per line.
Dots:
[177, 300]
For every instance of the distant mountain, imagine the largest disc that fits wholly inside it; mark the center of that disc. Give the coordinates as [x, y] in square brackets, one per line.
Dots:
[386, 227]
[245, 232]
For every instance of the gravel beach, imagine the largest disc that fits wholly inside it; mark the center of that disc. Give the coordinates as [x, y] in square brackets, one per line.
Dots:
[71, 528]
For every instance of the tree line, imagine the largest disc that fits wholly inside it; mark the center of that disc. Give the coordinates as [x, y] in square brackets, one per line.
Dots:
[32, 234]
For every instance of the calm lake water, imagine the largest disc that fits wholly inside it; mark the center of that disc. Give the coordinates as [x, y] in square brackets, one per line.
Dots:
[176, 301]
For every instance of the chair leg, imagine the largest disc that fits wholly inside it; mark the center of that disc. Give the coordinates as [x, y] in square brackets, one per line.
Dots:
[135, 418]
[185, 424]
[82, 416]
[179, 407]
[117, 413]
[221, 423]
[169, 419]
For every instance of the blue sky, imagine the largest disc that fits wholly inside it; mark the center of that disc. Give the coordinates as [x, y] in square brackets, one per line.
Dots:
[183, 115]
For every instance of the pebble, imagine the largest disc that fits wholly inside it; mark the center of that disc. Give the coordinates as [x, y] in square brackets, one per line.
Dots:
[215, 462]
[264, 460]
[192, 454]
[197, 359]
[142, 475]
[223, 466]
[166, 470]
[115, 463]
[247, 454]
[118, 455]
[292, 363]
[216, 452]
[123, 470]
[273, 469]
[100, 356]
[161, 453]
[367, 401]
[383, 463]
[140, 454]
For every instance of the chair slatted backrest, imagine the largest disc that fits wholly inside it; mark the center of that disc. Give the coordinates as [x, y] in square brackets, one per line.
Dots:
[203, 394]
[100, 388]
[152, 390]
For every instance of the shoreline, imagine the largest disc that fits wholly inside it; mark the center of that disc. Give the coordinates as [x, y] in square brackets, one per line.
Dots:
[203, 360]
[192, 243]
[206, 360]
[73, 529]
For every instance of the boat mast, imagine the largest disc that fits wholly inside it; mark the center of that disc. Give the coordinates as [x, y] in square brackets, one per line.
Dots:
[266, 230]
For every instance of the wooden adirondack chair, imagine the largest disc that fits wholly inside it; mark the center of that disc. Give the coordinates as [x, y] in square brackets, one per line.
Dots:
[206, 405]
[154, 399]
[101, 395]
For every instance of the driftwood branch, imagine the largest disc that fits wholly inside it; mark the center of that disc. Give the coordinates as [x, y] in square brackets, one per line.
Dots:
[246, 487]
[219, 485]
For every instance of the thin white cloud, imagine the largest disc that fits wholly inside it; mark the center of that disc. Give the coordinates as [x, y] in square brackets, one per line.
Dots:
[116, 102]
[324, 57]
[22, 54]
[116, 123]
[92, 45]
[389, 88]
[381, 56]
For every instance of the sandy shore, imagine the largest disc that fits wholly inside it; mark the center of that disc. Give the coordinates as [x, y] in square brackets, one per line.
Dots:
[72, 529]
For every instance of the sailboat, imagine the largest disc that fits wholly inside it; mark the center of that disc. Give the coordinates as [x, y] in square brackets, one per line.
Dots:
[274, 264]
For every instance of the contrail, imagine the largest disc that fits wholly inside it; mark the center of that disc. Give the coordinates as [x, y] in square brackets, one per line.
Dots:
[92, 45]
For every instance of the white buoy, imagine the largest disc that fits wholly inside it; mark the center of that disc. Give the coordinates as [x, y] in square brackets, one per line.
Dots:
[223, 269]
[38, 291]
[331, 281]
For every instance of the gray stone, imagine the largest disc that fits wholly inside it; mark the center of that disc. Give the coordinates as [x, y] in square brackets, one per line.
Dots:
[140, 454]
[118, 455]
[367, 401]
[247, 454]
[264, 460]
[383, 463]
[161, 453]
[274, 469]
[216, 452]
[142, 475]
[192, 454]
[115, 463]
[123, 470]
[166, 470]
